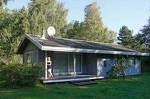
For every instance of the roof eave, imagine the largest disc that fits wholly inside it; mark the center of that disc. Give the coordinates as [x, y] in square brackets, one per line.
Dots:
[34, 42]
[63, 49]
[30, 39]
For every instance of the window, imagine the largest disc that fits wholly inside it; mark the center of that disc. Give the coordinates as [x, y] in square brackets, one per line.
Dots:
[105, 63]
[71, 62]
[67, 63]
[28, 57]
[131, 62]
[78, 63]
[60, 64]
[77, 57]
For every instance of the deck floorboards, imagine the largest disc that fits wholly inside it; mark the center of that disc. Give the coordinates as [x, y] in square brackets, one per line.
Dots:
[71, 78]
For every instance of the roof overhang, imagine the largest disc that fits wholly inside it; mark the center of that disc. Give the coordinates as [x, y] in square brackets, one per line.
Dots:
[79, 50]
[63, 49]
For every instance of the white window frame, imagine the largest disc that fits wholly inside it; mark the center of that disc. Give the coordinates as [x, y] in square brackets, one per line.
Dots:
[74, 72]
[74, 63]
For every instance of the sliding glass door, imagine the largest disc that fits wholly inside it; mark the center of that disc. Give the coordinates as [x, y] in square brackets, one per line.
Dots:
[71, 63]
[67, 63]
[74, 63]
[60, 64]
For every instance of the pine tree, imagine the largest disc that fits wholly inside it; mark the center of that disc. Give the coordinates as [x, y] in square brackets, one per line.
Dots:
[137, 42]
[146, 36]
[125, 36]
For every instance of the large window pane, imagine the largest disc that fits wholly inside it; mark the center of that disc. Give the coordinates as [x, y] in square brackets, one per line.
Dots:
[60, 65]
[64, 63]
[78, 62]
[71, 62]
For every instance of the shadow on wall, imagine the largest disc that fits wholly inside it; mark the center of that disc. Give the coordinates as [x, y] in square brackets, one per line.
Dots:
[145, 64]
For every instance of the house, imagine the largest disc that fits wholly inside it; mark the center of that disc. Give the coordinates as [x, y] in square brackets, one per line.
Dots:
[73, 60]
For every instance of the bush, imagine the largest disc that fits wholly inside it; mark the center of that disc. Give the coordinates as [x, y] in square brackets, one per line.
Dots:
[21, 75]
[118, 70]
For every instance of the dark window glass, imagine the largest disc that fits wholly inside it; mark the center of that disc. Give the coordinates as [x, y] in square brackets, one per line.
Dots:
[28, 58]
[105, 63]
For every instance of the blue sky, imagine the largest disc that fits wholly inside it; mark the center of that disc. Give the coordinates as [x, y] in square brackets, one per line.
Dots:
[115, 13]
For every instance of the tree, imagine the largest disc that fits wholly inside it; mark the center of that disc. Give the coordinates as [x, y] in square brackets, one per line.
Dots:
[44, 13]
[125, 36]
[137, 42]
[2, 2]
[92, 28]
[110, 36]
[142, 39]
[71, 30]
[93, 25]
[12, 27]
[146, 36]
[34, 19]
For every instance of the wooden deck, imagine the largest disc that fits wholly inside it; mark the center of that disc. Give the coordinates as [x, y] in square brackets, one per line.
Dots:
[71, 78]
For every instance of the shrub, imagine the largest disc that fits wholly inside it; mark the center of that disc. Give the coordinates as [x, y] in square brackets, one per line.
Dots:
[21, 75]
[118, 69]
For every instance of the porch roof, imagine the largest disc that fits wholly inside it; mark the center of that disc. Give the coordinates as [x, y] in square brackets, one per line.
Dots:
[70, 45]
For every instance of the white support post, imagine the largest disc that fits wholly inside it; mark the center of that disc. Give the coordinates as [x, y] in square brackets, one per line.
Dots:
[74, 63]
[45, 65]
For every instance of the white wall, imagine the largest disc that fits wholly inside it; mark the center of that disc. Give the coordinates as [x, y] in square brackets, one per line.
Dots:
[134, 68]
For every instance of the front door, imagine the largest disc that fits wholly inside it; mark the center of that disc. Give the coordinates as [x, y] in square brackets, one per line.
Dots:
[101, 67]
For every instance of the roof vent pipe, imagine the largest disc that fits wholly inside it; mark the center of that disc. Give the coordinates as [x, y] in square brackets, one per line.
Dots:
[44, 35]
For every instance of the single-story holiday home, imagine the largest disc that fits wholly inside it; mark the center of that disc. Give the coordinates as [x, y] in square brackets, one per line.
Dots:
[76, 60]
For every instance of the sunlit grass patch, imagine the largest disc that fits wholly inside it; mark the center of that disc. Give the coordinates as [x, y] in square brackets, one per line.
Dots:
[133, 87]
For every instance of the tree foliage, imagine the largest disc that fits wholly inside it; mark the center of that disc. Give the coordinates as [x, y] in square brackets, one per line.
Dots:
[44, 13]
[137, 42]
[119, 68]
[34, 19]
[141, 40]
[91, 28]
[146, 36]
[125, 36]
[12, 27]
[18, 75]
[3, 3]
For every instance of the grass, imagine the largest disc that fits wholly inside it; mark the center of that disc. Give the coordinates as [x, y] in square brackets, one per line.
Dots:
[136, 87]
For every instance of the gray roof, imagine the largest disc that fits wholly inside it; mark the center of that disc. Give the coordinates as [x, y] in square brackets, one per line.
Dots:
[78, 45]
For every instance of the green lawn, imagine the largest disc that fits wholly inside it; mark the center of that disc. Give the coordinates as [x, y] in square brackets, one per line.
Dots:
[137, 87]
